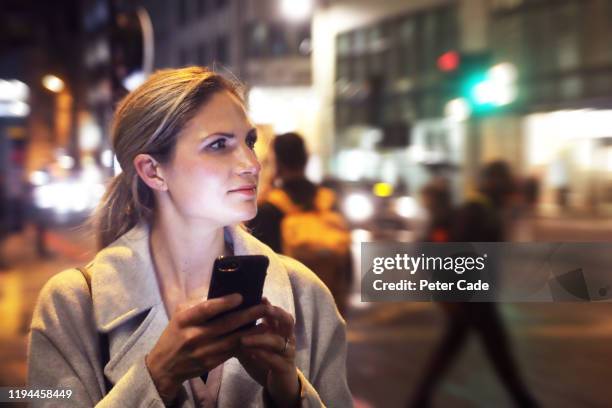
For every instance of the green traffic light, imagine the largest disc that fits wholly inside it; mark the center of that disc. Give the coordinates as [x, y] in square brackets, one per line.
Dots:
[477, 89]
[494, 88]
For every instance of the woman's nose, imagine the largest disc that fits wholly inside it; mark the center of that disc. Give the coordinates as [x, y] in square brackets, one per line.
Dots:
[248, 162]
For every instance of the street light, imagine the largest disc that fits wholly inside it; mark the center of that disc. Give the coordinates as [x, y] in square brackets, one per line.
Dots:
[53, 83]
[296, 9]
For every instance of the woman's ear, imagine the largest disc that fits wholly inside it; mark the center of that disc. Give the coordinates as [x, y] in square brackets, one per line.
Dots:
[150, 172]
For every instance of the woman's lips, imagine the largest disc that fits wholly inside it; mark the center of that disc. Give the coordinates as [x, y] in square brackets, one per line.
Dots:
[248, 191]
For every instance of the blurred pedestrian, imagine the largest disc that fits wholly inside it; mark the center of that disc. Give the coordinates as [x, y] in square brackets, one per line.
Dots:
[437, 202]
[480, 219]
[559, 178]
[531, 191]
[38, 216]
[134, 328]
[300, 219]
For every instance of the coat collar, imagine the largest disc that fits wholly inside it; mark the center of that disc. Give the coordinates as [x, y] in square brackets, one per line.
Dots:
[124, 283]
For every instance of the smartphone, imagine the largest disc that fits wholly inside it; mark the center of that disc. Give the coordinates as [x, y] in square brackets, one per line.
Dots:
[244, 274]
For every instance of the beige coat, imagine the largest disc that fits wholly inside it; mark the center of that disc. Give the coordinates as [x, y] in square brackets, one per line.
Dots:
[64, 352]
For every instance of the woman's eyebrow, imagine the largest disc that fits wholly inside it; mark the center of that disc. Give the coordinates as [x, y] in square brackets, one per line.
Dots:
[216, 134]
[226, 134]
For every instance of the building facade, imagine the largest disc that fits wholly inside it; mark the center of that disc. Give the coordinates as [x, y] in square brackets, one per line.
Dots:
[374, 70]
[564, 58]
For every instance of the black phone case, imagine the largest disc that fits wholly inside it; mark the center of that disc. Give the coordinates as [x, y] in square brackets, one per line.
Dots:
[243, 274]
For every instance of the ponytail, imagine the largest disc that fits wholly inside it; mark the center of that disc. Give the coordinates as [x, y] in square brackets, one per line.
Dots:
[114, 216]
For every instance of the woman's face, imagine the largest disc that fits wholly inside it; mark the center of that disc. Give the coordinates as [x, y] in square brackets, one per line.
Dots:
[214, 172]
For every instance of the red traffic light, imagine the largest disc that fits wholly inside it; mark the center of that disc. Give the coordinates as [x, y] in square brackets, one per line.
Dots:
[449, 61]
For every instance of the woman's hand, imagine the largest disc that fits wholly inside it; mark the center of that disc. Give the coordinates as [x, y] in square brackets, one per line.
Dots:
[268, 355]
[194, 342]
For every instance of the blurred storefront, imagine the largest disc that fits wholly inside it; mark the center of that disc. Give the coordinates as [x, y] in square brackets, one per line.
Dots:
[378, 71]
[564, 60]
[571, 152]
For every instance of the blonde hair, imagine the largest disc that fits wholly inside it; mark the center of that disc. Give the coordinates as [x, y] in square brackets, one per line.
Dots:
[148, 120]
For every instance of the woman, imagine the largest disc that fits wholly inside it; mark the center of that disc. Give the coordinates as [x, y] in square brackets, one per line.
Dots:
[189, 179]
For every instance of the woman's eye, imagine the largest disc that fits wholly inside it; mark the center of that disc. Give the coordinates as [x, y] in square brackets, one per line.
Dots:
[250, 141]
[217, 144]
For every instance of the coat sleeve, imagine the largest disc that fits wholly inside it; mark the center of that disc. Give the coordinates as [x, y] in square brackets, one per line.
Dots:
[324, 332]
[328, 386]
[63, 352]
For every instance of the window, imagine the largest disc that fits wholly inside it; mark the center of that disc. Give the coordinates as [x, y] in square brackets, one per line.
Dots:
[278, 41]
[508, 39]
[343, 44]
[428, 50]
[567, 33]
[343, 69]
[378, 50]
[359, 42]
[265, 40]
[407, 36]
[595, 41]
[256, 39]
[386, 73]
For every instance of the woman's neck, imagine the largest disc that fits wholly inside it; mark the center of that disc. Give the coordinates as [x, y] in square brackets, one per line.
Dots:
[184, 255]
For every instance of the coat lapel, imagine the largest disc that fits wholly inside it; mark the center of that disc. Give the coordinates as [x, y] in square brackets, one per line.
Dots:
[127, 302]
[123, 280]
[124, 286]
[277, 288]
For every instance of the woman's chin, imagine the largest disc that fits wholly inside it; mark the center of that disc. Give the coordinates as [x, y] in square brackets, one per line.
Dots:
[250, 216]
[246, 214]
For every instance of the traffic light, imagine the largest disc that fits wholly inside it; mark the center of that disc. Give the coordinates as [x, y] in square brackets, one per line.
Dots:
[484, 87]
[492, 88]
[449, 61]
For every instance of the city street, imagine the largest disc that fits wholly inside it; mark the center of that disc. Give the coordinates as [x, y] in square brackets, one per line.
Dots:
[426, 121]
[19, 287]
[563, 349]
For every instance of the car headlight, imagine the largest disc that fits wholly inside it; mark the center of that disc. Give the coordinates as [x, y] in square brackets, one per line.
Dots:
[358, 207]
[65, 197]
[44, 196]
